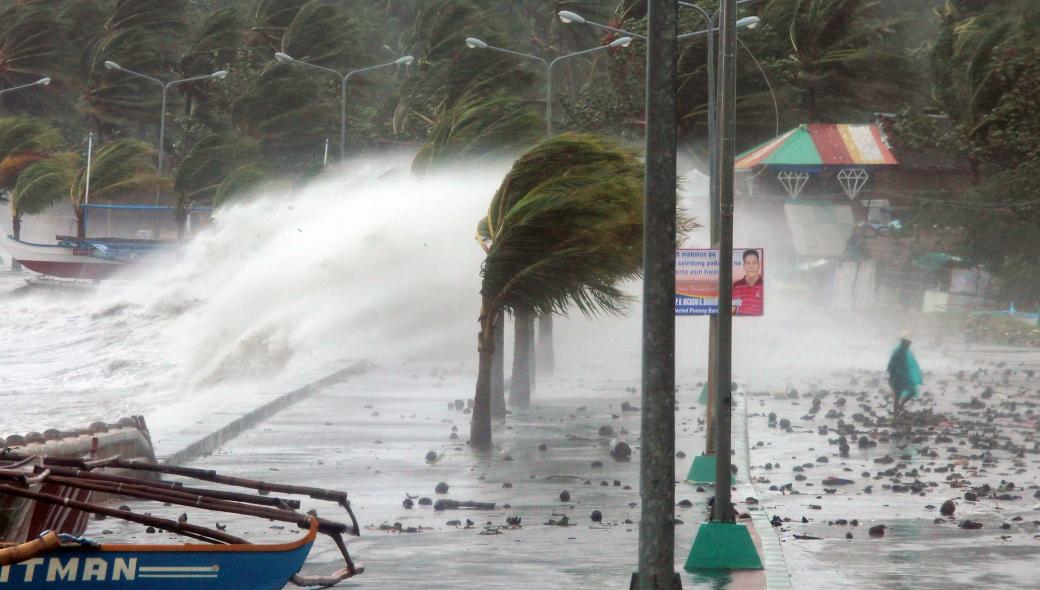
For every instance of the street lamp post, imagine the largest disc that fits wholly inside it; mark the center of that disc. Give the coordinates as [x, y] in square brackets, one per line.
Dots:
[749, 22]
[288, 59]
[40, 82]
[474, 43]
[218, 75]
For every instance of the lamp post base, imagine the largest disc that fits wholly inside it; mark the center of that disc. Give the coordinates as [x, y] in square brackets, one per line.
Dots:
[634, 584]
[723, 546]
[703, 470]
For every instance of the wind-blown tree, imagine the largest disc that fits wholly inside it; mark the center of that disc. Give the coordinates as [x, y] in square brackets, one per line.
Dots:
[29, 37]
[23, 142]
[121, 168]
[479, 129]
[562, 231]
[842, 56]
[146, 36]
[283, 114]
[237, 183]
[41, 185]
[205, 167]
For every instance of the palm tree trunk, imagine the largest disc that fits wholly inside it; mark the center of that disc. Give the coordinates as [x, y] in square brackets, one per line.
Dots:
[532, 357]
[81, 222]
[546, 354]
[520, 386]
[182, 221]
[498, 386]
[480, 424]
[16, 231]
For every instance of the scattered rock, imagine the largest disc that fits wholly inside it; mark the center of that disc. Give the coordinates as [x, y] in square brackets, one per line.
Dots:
[597, 516]
[565, 496]
[442, 488]
[947, 508]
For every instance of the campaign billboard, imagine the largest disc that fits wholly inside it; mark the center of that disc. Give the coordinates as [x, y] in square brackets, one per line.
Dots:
[697, 282]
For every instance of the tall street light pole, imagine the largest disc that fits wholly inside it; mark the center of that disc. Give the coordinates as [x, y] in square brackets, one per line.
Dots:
[218, 75]
[288, 59]
[749, 22]
[657, 452]
[474, 43]
[726, 154]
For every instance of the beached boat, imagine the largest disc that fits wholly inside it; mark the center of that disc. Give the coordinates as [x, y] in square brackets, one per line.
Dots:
[84, 258]
[96, 258]
[21, 518]
[226, 562]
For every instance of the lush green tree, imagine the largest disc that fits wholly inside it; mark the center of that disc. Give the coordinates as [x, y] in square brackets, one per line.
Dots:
[563, 229]
[479, 130]
[121, 168]
[237, 183]
[23, 142]
[39, 186]
[205, 167]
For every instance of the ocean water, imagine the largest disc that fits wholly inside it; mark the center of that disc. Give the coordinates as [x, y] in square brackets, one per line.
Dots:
[369, 262]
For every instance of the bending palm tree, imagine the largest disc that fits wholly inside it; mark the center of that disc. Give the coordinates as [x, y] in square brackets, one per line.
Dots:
[121, 168]
[563, 229]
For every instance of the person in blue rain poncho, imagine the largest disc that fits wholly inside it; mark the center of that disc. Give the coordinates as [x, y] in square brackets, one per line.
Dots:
[904, 374]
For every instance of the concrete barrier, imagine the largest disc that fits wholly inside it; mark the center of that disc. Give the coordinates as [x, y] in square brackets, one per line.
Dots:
[209, 443]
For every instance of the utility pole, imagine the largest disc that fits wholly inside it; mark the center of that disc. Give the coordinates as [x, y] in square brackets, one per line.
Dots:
[657, 452]
[724, 347]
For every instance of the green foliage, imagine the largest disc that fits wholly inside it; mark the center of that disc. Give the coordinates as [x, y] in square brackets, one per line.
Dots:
[121, 168]
[23, 141]
[480, 129]
[237, 183]
[207, 164]
[43, 184]
[564, 228]
[283, 112]
[29, 37]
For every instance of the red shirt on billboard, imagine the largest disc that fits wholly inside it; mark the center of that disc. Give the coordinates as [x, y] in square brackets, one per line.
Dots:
[749, 291]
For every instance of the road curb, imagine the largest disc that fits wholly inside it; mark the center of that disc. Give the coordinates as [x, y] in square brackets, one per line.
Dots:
[214, 440]
[777, 576]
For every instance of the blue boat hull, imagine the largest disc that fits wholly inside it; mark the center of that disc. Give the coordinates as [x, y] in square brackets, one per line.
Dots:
[161, 567]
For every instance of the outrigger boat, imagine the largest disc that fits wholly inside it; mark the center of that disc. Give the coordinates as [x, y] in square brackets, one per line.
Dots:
[225, 562]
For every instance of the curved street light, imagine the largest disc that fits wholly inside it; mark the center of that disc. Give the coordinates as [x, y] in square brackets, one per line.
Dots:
[41, 82]
[218, 75]
[285, 58]
[474, 43]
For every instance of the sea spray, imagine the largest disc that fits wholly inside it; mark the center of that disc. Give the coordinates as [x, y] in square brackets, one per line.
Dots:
[368, 262]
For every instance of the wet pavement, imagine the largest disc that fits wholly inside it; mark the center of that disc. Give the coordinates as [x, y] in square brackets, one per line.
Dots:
[370, 436]
[975, 427]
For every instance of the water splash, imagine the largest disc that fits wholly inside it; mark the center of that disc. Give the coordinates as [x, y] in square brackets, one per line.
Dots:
[369, 262]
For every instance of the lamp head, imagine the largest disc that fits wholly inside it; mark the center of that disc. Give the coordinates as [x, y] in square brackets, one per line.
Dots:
[569, 17]
[748, 22]
[404, 60]
[474, 43]
[43, 81]
[621, 42]
[219, 75]
[283, 58]
[113, 66]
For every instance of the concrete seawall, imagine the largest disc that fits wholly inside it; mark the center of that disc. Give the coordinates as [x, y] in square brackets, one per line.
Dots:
[212, 441]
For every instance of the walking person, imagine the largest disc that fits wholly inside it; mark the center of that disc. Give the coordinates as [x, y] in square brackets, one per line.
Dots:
[904, 374]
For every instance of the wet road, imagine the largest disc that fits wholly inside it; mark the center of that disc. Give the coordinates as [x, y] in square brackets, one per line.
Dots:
[370, 436]
[951, 446]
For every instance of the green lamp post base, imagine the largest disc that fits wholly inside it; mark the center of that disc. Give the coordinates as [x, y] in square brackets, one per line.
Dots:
[703, 470]
[723, 546]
